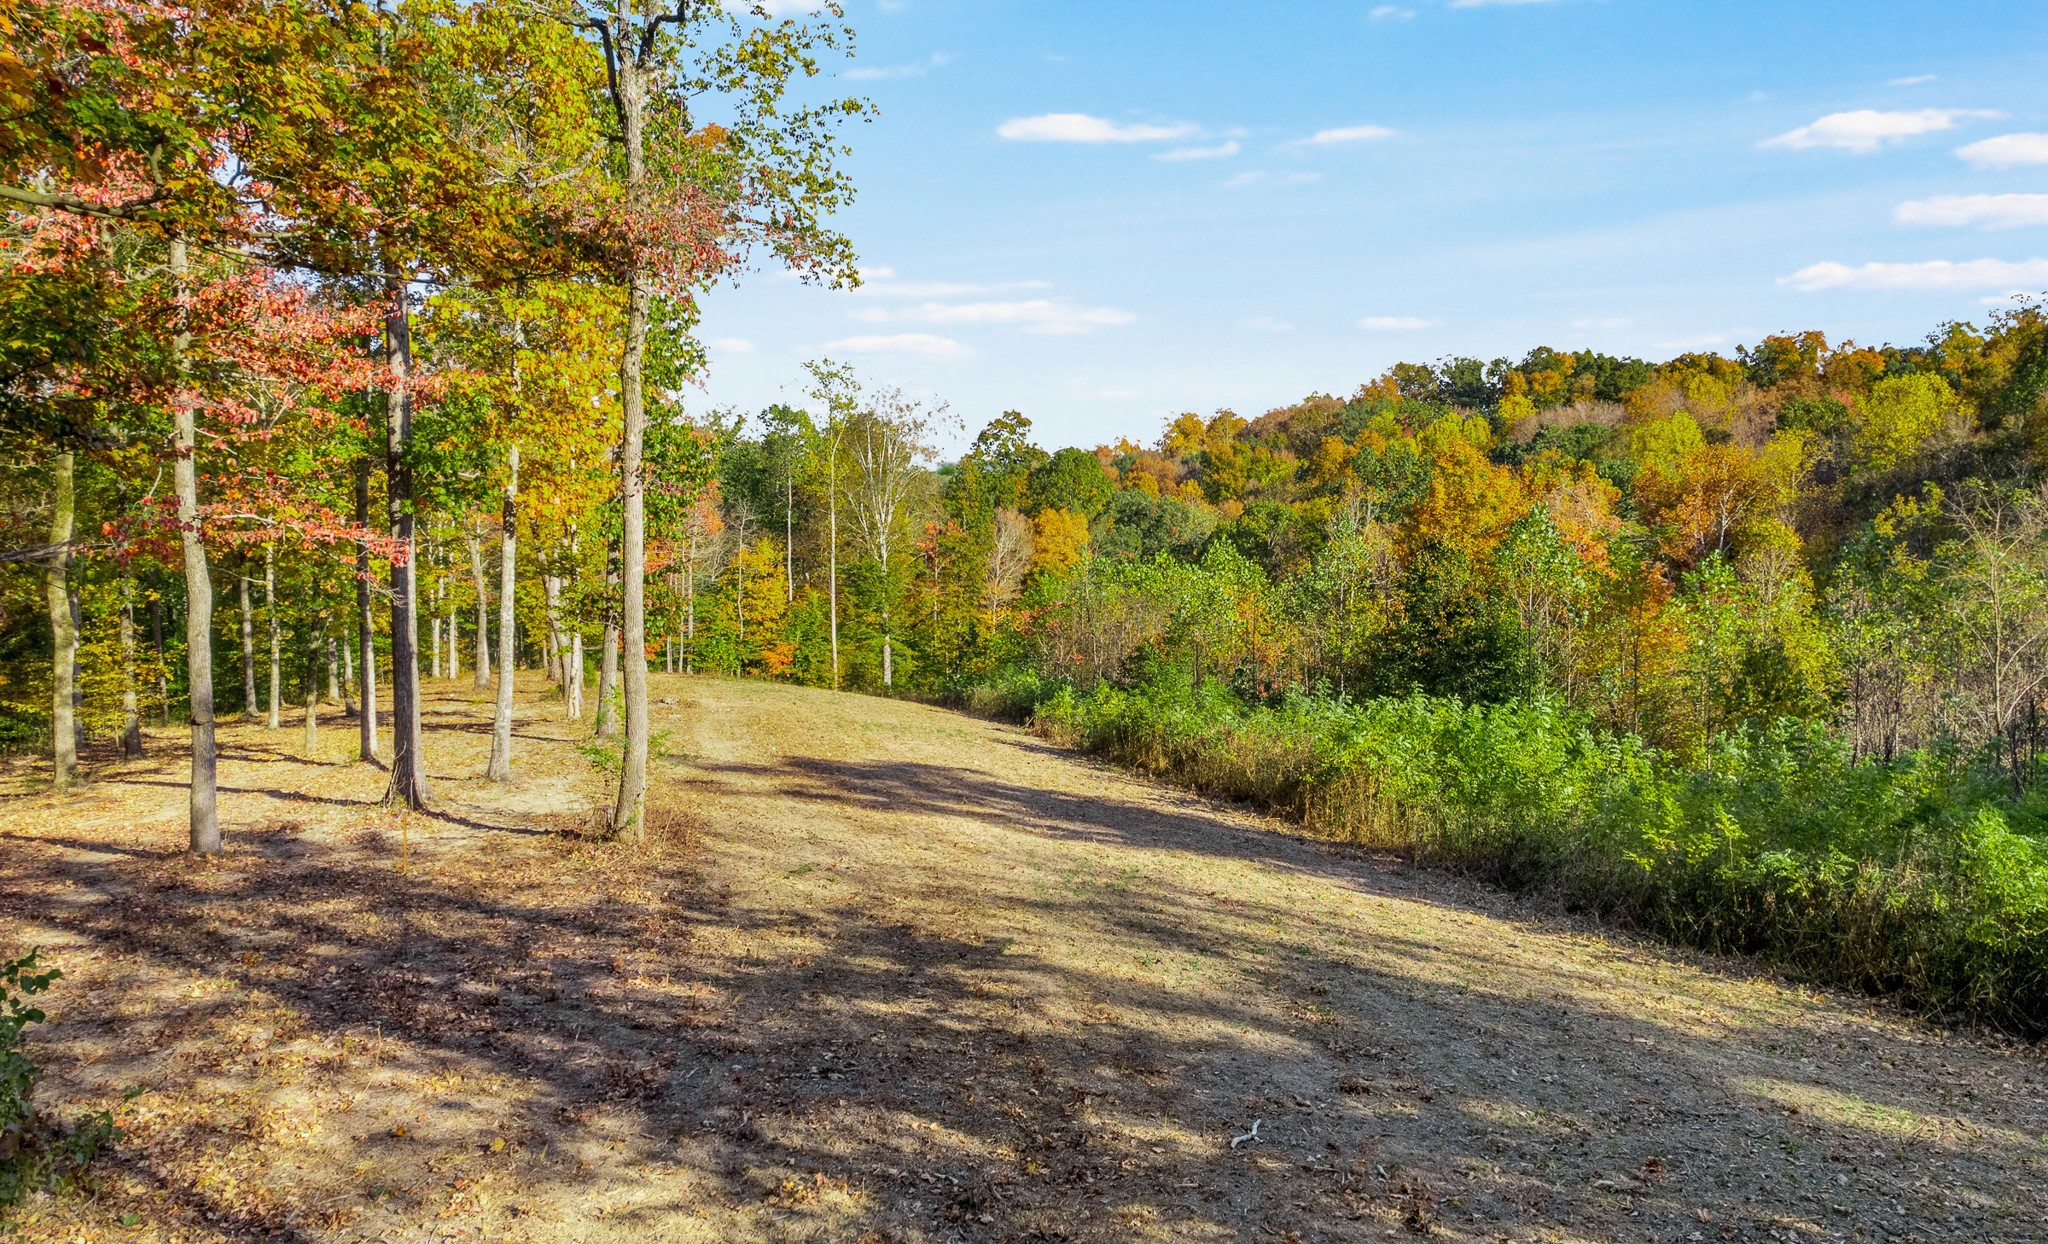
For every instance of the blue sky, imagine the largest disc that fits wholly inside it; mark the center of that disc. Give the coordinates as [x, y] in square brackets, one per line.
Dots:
[1102, 214]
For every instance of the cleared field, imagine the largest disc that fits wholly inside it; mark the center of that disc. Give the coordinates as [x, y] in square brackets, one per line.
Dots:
[903, 975]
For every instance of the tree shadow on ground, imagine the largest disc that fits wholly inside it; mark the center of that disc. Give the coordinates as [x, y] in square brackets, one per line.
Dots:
[649, 1039]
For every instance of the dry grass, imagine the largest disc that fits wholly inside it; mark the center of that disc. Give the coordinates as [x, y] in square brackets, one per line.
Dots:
[892, 974]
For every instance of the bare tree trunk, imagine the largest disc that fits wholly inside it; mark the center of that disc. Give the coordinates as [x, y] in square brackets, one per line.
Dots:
[832, 552]
[333, 664]
[608, 658]
[63, 629]
[408, 763]
[248, 648]
[434, 637]
[552, 643]
[483, 609]
[508, 562]
[163, 674]
[131, 716]
[276, 719]
[366, 622]
[348, 670]
[205, 812]
[789, 534]
[316, 638]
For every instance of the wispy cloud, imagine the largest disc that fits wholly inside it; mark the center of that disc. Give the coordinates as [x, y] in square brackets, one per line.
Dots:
[1032, 315]
[882, 283]
[1612, 321]
[1918, 79]
[1937, 274]
[1983, 211]
[916, 69]
[1394, 323]
[1221, 151]
[1867, 129]
[1265, 324]
[1487, 4]
[1079, 127]
[926, 344]
[2007, 151]
[733, 345]
[1250, 177]
[1391, 13]
[1345, 134]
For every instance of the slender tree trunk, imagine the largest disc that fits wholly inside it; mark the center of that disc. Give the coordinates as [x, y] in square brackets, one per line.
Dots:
[832, 553]
[131, 716]
[608, 657]
[316, 638]
[551, 596]
[348, 670]
[408, 763]
[276, 719]
[366, 621]
[483, 607]
[63, 629]
[789, 535]
[248, 622]
[163, 676]
[205, 813]
[434, 637]
[333, 664]
[576, 674]
[454, 643]
[508, 564]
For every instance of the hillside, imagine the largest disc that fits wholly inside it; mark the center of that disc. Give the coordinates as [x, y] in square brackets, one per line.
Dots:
[904, 975]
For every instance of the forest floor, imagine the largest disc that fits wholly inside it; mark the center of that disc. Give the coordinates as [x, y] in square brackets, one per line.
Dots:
[898, 974]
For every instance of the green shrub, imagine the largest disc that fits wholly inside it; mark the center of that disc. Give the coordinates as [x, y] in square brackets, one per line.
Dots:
[1921, 878]
[32, 1156]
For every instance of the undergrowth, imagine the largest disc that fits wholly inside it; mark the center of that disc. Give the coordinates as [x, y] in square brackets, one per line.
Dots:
[1923, 878]
[36, 1155]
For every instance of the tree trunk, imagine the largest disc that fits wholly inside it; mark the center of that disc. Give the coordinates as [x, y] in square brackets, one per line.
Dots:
[131, 717]
[156, 639]
[63, 630]
[348, 670]
[366, 622]
[248, 621]
[508, 564]
[408, 764]
[629, 814]
[333, 665]
[483, 608]
[276, 719]
[832, 553]
[434, 637]
[316, 636]
[608, 659]
[789, 534]
[205, 813]
[551, 597]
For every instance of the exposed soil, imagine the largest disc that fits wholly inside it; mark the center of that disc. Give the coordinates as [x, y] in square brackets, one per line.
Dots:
[896, 974]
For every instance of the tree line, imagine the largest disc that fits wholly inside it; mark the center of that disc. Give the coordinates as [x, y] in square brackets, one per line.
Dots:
[306, 297]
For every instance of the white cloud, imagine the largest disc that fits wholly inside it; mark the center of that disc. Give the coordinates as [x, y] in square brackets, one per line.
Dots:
[790, 8]
[1986, 211]
[1918, 79]
[892, 288]
[916, 69]
[1345, 134]
[1249, 177]
[2007, 150]
[899, 343]
[876, 274]
[1221, 151]
[733, 345]
[1033, 315]
[1930, 274]
[1394, 323]
[1266, 324]
[1866, 129]
[1391, 13]
[1482, 4]
[1079, 127]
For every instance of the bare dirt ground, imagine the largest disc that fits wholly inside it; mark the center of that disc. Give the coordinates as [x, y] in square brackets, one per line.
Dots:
[909, 976]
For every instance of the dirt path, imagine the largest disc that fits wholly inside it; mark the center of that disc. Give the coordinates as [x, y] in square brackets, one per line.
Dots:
[923, 978]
